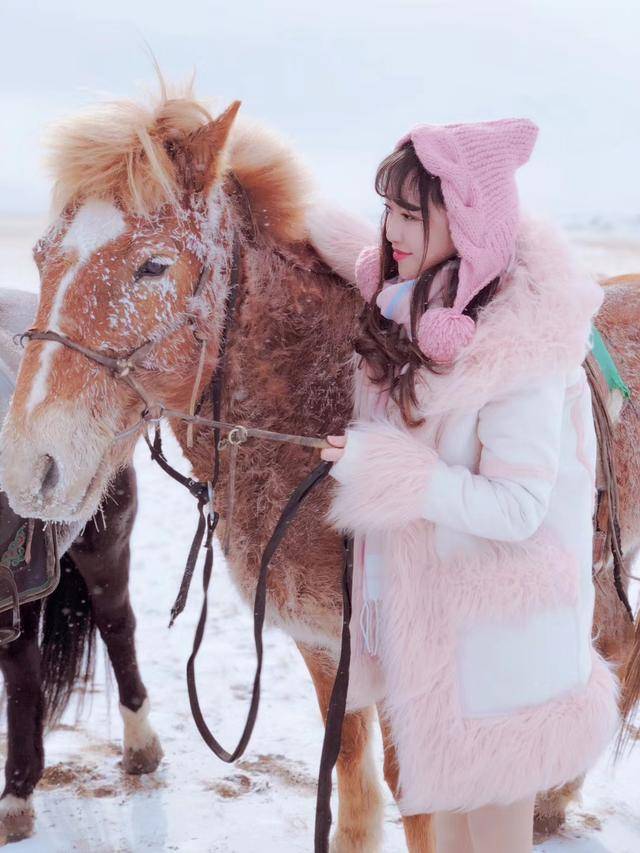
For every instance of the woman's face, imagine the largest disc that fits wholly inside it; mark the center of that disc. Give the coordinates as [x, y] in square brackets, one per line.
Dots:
[405, 231]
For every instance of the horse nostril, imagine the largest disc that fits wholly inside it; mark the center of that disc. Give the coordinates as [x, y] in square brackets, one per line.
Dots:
[50, 475]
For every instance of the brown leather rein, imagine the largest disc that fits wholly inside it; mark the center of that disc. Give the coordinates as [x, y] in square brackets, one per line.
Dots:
[124, 369]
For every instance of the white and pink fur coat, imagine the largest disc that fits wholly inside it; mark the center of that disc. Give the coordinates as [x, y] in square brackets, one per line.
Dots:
[485, 667]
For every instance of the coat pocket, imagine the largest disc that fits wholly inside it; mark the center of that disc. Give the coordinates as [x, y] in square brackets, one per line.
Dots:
[507, 666]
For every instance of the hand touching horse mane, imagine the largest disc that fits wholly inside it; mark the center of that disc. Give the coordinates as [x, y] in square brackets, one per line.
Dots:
[148, 199]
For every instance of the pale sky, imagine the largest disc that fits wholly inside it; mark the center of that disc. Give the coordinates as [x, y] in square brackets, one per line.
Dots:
[343, 80]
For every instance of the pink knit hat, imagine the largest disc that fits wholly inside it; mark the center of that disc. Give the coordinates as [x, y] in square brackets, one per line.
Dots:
[476, 164]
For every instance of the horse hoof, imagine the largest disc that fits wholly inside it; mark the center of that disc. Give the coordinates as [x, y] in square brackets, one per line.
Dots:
[144, 760]
[142, 750]
[547, 825]
[551, 808]
[17, 818]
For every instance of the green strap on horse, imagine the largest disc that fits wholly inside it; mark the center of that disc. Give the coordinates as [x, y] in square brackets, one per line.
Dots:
[607, 365]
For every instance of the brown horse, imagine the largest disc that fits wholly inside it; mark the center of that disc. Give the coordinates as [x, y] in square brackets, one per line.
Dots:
[151, 200]
[54, 653]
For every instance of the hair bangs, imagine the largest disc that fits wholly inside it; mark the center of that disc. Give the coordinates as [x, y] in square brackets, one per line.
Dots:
[399, 172]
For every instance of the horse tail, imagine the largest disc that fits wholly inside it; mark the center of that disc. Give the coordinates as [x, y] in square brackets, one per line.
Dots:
[630, 690]
[68, 631]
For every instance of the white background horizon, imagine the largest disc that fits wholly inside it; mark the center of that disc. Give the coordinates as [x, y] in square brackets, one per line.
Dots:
[344, 80]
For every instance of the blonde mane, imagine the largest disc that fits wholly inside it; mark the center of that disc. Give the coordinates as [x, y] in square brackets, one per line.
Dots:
[118, 150]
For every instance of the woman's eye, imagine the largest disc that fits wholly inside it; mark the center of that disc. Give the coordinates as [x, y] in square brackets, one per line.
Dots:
[406, 216]
[152, 269]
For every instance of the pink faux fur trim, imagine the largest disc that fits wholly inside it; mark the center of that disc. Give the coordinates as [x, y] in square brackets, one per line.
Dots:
[368, 271]
[425, 601]
[448, 761]
[502, 760]
[338, 236]
[537, 325]
[372, 496]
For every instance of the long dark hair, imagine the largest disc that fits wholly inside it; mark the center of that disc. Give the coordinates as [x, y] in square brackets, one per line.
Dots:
[383, 343]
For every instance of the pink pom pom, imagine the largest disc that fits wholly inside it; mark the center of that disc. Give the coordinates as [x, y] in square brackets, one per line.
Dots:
[368, 271]
[443, 332]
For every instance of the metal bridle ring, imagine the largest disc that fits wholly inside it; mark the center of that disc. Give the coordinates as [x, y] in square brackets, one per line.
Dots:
[237, 435]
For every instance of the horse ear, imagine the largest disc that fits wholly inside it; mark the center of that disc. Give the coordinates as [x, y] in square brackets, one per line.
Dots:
[201, 152]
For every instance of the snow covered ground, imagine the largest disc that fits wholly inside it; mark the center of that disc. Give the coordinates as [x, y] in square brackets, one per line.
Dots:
[194, 803]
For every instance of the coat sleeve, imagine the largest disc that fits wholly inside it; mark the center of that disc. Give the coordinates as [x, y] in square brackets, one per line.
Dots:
[338, 236]
[387, 477]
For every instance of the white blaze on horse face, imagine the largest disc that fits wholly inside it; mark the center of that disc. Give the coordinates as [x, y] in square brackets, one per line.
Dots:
[95, 224]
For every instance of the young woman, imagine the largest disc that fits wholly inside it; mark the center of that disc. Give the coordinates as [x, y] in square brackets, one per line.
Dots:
[467, 477]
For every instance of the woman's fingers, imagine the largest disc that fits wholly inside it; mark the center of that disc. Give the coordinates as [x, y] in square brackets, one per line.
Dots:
[337, 440]
[332, 454]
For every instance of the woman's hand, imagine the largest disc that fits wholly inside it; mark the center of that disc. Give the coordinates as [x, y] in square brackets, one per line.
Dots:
[332, 454]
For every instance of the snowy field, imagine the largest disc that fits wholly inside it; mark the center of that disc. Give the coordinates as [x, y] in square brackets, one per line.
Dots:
[195, 803]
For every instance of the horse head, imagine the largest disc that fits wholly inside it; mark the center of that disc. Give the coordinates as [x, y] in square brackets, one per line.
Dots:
[140, 222]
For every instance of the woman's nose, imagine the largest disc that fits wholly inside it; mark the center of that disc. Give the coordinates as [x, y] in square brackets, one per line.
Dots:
[392, 230]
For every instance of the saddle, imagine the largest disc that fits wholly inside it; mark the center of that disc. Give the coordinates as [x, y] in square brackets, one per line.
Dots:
[29, 565]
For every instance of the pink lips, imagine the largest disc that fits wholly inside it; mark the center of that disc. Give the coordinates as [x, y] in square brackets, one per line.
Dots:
[399, 256]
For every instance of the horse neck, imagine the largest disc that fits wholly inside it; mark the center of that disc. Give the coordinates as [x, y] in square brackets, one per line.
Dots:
[289, 323]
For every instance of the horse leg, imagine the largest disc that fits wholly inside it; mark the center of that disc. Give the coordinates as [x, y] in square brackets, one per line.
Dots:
[20, 664]
[360, 804]
[551, 807]
[418, 829]
[102, 557]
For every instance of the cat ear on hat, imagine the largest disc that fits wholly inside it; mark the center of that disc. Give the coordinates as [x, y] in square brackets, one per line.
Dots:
[522, 137]
[367, 271]
[436, 150]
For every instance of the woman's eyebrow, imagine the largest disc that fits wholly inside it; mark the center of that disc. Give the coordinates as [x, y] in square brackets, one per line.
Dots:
[405, 204]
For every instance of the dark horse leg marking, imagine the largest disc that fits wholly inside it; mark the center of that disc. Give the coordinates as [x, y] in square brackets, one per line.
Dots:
[102, 557]
[20, 664]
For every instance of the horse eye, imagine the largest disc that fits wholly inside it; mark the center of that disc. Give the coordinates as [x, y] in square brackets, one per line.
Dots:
[152, 269]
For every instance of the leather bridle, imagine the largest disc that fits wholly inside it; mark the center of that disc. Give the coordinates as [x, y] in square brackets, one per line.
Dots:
[124, 367]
